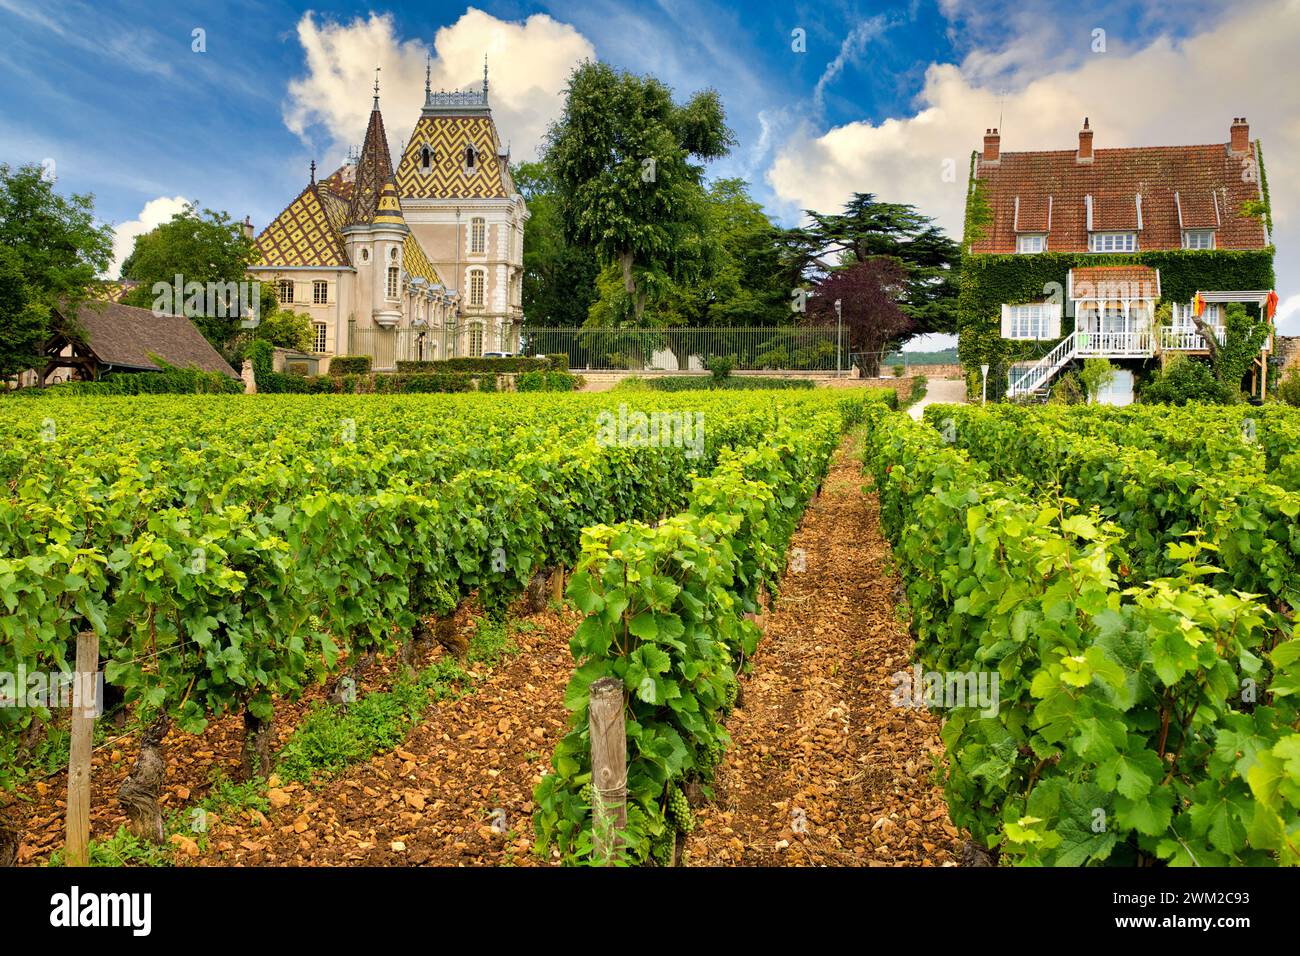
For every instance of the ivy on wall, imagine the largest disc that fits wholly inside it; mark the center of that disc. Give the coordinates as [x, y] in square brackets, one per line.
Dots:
[988, 281]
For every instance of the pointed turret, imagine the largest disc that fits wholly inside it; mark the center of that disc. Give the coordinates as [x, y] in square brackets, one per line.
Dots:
[374, 169]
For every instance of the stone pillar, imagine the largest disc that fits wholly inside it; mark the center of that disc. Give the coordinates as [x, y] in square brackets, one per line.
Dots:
[250, 381]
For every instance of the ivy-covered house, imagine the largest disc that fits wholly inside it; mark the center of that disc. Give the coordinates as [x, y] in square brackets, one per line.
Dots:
[1069, 254]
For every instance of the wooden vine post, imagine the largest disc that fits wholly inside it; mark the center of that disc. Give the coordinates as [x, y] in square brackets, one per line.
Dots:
[608, 769]
[84, 707]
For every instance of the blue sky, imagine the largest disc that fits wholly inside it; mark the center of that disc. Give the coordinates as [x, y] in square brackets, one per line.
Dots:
[115, 95]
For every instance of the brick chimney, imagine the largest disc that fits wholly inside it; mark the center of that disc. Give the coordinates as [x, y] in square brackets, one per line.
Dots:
[992, 146]
[1240, 136]
[247, 227]
[1084, 155]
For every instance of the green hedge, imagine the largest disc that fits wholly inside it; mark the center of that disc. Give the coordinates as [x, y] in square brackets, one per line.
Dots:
[498, 365]
[690, 383]
[350, 365]
[170, 381]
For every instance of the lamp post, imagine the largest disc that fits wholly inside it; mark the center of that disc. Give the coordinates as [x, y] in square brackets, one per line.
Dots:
[839, 336]
[984, 392]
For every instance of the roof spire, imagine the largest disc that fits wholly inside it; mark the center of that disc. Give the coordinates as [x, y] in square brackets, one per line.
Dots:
[428, 66]
[485, 81]
[313, 172]
[377, 69]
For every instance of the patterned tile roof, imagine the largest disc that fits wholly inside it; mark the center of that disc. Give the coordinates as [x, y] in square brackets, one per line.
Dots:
[448, 176]
[306, 233]
[417, 262]
[1206, 182]
[374, 168]
[342, 182]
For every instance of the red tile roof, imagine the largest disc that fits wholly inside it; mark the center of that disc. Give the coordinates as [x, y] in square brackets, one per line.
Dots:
[1207, 182]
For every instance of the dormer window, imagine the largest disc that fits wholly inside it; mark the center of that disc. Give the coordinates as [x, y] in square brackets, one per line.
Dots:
[471, 157]
[1031, 242]
[1112, 242]
[1198, 238]
[426, 158]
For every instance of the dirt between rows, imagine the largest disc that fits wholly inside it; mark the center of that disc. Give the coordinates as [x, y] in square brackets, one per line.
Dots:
[824, 770]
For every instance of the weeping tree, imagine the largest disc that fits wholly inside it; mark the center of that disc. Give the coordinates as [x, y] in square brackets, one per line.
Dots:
[625, 160]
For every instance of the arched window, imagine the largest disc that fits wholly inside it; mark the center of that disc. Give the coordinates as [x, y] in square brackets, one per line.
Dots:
[426, 158]
[470, 156]
[477, 234]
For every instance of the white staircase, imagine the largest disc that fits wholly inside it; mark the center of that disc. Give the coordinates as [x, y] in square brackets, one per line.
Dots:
[1028, 379]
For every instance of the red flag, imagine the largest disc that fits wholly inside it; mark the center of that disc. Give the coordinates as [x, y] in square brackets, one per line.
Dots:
[1270, 305]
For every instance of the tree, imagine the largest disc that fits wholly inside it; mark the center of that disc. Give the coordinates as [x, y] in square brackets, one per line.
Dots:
[870, 229]
[207, 247]
[868, 293]
[24, 323]
[1097, 376]
[53, 250]
[740, 281]
[620, 156]
[559, 283]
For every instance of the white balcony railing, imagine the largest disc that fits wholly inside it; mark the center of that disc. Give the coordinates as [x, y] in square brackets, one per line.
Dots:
[1182, 339]
[1113, 343]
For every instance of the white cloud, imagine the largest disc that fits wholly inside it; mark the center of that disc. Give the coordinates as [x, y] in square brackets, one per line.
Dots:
[1168, 92]
[529, 61]
[155, 213]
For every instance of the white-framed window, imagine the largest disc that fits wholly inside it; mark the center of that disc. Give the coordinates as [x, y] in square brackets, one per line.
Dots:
[1113, 242]
[1031, 320]
[1198, 238]
[318, 337]
[477, 286]
[285, 291]
[320, 294]
[476, 340]
[1032, 242]
[477, 234]
[392, 281]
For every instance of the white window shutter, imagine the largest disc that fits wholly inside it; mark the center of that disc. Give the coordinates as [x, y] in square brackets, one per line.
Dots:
[1006, 321]
[1052, 320]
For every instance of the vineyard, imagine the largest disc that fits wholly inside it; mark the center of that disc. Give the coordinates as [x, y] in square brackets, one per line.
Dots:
[232, 555]
[1130, 577]
[383, 616]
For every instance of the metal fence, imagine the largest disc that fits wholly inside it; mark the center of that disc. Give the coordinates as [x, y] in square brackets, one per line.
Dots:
[387, 347]
[691, 349]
